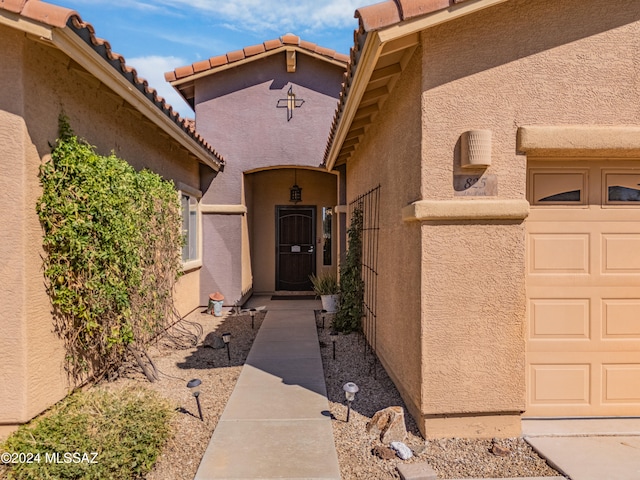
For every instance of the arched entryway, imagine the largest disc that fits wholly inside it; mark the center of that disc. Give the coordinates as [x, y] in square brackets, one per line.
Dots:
[290, 238]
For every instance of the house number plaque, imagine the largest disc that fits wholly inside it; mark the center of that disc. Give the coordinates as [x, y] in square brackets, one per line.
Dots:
[475, 185]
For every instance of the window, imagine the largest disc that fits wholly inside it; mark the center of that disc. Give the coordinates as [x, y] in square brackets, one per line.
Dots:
[622, 188]
[189, 202]
[558, 187]
[327, 217]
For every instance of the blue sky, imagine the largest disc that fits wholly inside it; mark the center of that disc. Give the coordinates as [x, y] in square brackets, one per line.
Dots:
[156, 36]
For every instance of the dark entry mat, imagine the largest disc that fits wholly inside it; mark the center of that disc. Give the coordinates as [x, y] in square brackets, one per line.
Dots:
[293, 297]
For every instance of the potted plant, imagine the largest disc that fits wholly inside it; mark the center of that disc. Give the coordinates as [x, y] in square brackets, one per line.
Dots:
[326, 286]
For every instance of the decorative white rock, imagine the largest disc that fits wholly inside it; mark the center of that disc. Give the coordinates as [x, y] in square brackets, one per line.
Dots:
[402, 450]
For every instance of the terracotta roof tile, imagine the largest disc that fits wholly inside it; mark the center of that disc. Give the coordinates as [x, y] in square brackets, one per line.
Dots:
[201, 66]
[60, 17]
[290, 39]
[308, 45]
[184, 71]
[47, 13]
[254, 50]
[234, 56]
[271, 44]
[390, 12]
[379, 15]
[415, 8]
[14, 6]
[217, 61]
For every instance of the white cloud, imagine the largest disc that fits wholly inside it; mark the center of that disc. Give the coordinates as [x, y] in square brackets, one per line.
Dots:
[274, 15]
[152, 69]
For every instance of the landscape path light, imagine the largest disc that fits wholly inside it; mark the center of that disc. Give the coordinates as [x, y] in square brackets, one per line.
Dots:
[334, 336]
[194, 387]
[252, 312]
[226, 337]
[323, 314]
[350, 390]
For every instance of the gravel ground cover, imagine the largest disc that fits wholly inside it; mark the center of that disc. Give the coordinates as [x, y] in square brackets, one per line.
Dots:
[451, 458]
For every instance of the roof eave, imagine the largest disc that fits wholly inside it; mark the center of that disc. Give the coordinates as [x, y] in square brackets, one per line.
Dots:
[189, 80]
[76, 48]
[366, 64]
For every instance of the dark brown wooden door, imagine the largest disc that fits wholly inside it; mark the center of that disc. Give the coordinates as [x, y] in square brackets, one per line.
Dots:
[296, 253]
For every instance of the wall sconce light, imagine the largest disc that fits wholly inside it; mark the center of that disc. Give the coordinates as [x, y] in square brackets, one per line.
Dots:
[226, 337]
[295, 192]
[350, 390]
[475, 149]
[194, 387]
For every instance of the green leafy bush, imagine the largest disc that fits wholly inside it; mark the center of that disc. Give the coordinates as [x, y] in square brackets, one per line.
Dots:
[112, 240]
[121, 434]
[349, 315]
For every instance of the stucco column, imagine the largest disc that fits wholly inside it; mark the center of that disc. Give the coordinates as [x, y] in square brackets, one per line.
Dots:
[13, 374]
[473, 316]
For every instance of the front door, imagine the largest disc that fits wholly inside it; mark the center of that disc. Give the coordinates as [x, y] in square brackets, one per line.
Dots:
[295, 254]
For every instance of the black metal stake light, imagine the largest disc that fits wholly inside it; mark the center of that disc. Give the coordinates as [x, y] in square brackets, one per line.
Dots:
[225, 338]
[334, 336]
[323, 315]
[194, 387]
[350, 390]
[253, 316]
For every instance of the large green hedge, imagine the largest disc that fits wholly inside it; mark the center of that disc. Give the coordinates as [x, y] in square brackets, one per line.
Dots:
[112, 241]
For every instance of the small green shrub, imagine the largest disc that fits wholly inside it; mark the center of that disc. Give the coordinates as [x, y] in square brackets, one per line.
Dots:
[125, 430]
[325, 284]
[349, 315]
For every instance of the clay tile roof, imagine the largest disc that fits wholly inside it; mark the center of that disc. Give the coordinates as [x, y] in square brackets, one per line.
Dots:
[235, 56]
[201, 66]
[390, 12]
[376, 17]
[290, 39]
[252, 51]
[60, 17]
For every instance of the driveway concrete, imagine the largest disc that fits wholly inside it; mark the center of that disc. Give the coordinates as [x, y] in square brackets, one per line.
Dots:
[592, 449]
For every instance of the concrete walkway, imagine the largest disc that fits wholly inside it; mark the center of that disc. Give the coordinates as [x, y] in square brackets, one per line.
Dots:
[276, 423]
[593, 449]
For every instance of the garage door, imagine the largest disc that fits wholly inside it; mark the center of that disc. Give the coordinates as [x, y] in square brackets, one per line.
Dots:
[583, 289]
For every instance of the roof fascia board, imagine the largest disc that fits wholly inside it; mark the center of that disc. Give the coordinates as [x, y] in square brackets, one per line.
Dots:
[367, 63]
[76, 48]
[370, 54]
[227, 66]
[457, 10]
[23, 24]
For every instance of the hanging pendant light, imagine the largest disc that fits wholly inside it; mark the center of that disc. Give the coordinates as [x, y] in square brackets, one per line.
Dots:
[295, 192]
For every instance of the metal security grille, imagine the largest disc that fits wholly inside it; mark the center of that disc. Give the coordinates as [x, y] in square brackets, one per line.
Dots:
[369, 204]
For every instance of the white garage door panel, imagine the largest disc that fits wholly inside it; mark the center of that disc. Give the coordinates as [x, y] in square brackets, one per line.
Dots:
[583, 290]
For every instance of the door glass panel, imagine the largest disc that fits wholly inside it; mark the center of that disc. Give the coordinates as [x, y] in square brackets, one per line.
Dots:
[622, 188]
[551, 188]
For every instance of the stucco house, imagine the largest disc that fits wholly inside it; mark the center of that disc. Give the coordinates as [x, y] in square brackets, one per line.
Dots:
[52, 62]
[268, 222]
[504, 136]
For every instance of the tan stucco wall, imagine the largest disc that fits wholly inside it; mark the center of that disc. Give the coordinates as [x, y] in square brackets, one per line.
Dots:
[270, 188]
[488, 71]
[38, 83]
[390, 156]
